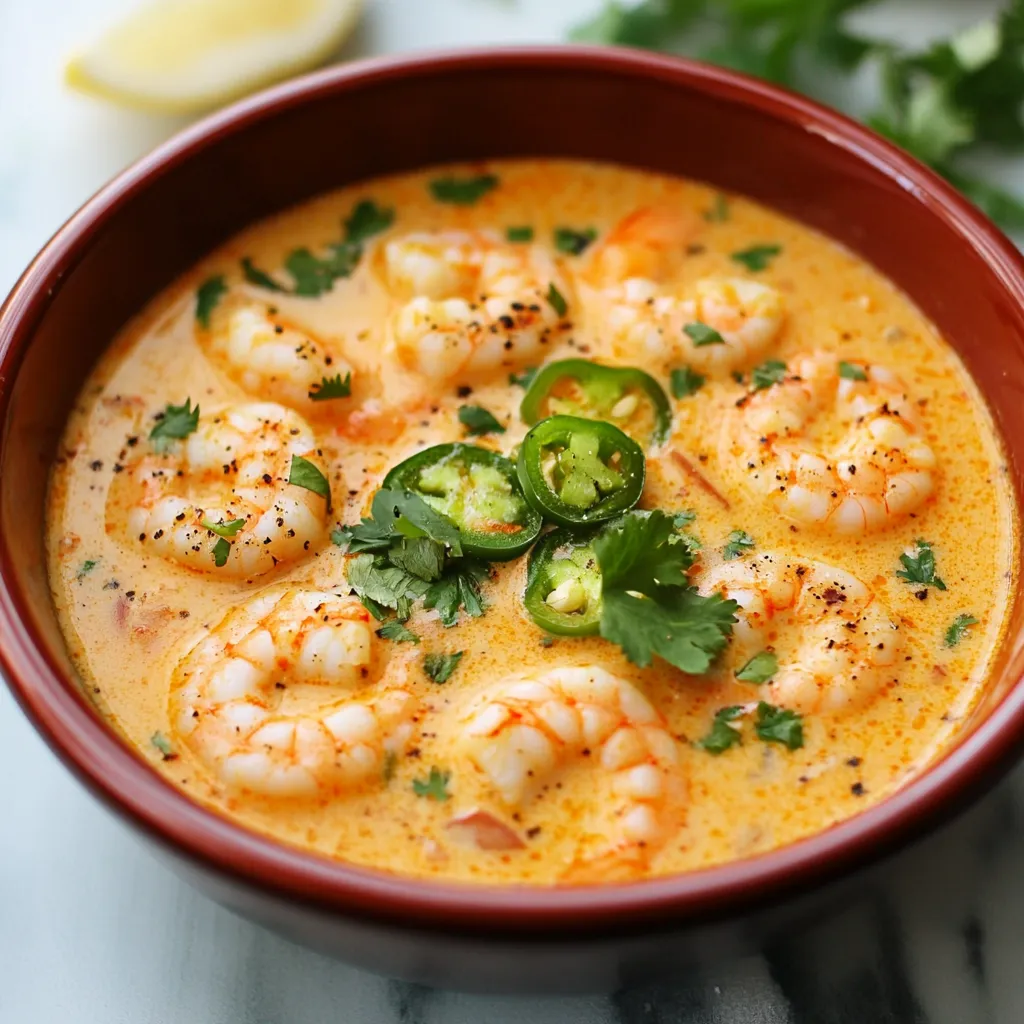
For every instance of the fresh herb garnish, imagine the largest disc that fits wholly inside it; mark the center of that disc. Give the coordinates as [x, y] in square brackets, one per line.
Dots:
[458, 588]
[177, 421]
[384, 585]
[701, 334]
[958, 629]
[647, 604]
[439, 667]
[332, 387]
[223, 529]
[721, 736]
[304, 473]
[771, 371]
[519, 234]
[435, 787]
[366, 220]
[919, 566]
[556, 300]
[85, 568]
[208, 294]
[573, 242]
[718, 211]
[221, 550]
[258, 277]
[398, 632]
[477, 420]
[685, 382]
[395, 515]
[160, 741]
[851, 371]
[779, 725]
[737, 544]
[759, 669]
[757, 257]
[463, 191]
[523, 379]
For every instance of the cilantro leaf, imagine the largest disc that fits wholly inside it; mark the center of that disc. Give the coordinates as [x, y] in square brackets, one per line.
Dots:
[258, 277]
[759, 669]
[314, 276]
[685, 382]
[477, 420]
[851, 371]
[458, 587]
[737, 544]
[396, 514]
[223, 529]
[435, 787]
[85, 568]
[556, 300]
[177, 422]
[462, 191]
[757, 257]
[958, 629]
[419, 556]
[439, 667]
[519, 234]
[163, 744]
[221, 550]
[701, 334]
[523, 379]
[208, 294]
[332, 387]
[771, 371]
[366, 220]
[304, 473]
[647, 605]
[779, 725]
[573, 242]
[396, 631]
[386, 585]
[919, 566]
[721, 736]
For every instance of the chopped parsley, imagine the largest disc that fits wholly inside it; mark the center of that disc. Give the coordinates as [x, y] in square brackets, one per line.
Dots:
[519, 234]
[160, 741]
[304, 473]
[556, 300]
[221, 550]
[737, 544]
[208, 294]
[759, 669]
[958, 629]
[177, 421]
[463, 191]
[366, 220]
[721, 736]
[718, 212]
[477, 420]
[757, 257]
[332, 387]
[779, 725]
[851, 371]
[435, 787]
[85, 568]
[573, 242]
[647, 604]
[919, 566]
[223, 529]
[701, 334]
[771, 371]
[397, 631]
[439, 667]
[523, 379]
[685, 382]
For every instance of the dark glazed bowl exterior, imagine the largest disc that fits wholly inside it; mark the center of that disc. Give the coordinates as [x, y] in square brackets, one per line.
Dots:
[379, 117]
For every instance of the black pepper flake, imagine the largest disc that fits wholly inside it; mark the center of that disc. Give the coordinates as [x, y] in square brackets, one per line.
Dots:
[532, 833]
[921, 595]
[857, 789]
[463, 391]
[96, 465]
[853, 762]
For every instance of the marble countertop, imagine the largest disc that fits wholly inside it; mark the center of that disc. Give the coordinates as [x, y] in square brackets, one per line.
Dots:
[94, 931]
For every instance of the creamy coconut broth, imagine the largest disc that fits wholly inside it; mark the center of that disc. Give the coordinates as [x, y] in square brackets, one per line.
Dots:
[785, 535]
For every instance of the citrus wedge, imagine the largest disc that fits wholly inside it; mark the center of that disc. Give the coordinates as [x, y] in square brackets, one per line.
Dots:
[181, 56]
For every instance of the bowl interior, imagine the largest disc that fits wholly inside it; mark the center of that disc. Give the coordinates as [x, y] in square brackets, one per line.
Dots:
[351, 124]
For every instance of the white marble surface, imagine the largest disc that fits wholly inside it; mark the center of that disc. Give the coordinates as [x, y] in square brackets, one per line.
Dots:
[93, 931]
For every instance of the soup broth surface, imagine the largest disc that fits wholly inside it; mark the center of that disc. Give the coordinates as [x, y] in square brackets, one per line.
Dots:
[823, 439]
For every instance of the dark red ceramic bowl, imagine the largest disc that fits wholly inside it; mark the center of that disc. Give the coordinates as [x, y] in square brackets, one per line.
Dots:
[374, 118]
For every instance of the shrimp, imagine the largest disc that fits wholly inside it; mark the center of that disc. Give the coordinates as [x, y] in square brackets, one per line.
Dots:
[228, 695]
[270, 358]
[470, 304]
[221, 500]
[522, 733]
[836, 644]
[870, 465]
[648, 310]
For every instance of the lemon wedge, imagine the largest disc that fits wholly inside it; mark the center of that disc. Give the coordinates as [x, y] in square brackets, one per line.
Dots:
[182, 56]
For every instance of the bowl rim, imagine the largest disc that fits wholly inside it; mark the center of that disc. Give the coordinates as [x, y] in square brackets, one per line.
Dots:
[125, 782]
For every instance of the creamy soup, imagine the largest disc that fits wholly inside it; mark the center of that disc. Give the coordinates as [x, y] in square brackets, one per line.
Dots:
[539, 522]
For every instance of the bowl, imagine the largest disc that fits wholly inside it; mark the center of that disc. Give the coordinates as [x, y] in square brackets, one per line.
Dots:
[378, 117]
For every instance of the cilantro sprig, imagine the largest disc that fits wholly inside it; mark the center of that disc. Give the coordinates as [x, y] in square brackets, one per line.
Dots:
[771, 725]
[958, 629]
[175, 423]
[685, 381]
[478, 421]
[439, 667]
[435, 786]
[462, 191]
[332, 387]
[919, 566]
